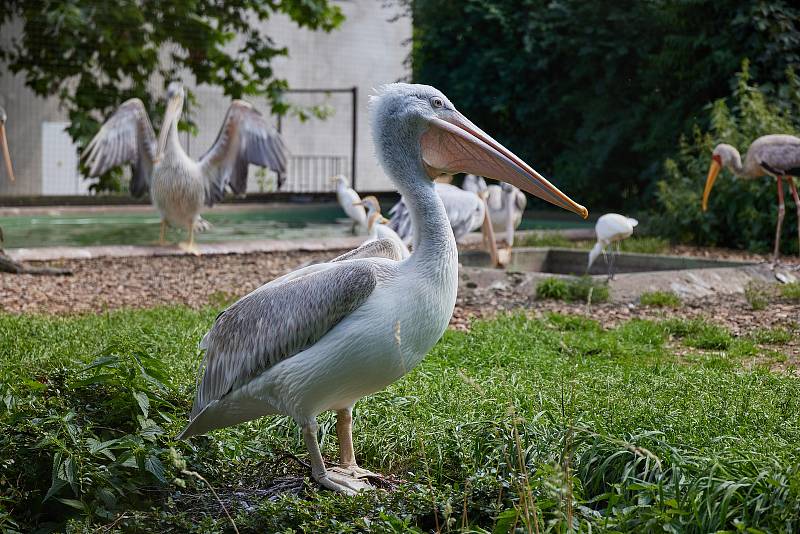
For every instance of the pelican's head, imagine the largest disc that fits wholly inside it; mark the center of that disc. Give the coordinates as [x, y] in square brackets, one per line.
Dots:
[172, 114]
[417, 124]
[4, 144]
[724, 155]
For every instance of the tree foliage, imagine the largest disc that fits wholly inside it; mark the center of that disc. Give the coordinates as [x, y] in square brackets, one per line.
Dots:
[597, 93]
[741, 212]
[93, 55]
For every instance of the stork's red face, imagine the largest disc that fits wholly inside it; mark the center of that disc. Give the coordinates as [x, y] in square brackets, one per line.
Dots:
[453, 144]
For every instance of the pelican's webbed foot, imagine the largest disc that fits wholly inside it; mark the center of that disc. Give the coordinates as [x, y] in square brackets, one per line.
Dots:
[345, 480]
[191, 248]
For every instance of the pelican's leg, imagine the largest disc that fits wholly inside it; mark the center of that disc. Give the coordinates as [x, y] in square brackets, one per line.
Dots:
[781, 212]
[608, 265]
[328, 478]
[796, 198]
[344, 430]
[190, 246]
[162, 240]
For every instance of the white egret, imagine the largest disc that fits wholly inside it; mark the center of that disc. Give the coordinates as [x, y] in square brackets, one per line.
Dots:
[611, 229]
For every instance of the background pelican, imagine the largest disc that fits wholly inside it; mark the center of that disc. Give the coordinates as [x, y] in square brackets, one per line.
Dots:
[465, 212]
[772, 155]
[179, 186]
[322, 338]
[376, 225]
[506, 204]
[350, 202]
[611, 228]
[4, 145]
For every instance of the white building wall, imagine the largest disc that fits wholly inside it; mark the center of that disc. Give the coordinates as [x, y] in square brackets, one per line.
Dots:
[366, 51]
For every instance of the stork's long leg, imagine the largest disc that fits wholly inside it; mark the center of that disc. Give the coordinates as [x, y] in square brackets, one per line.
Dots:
[781, 212]
[328, 478]
[793, 187]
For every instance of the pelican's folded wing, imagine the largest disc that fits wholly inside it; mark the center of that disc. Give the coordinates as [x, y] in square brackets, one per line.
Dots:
[127, 137]
[275, 322]
[245, 138]
[380, 248]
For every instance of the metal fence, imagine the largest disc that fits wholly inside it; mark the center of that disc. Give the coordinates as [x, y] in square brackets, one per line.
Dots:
[312, 174]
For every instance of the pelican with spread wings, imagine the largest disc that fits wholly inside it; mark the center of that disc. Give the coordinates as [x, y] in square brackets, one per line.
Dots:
[179, 186]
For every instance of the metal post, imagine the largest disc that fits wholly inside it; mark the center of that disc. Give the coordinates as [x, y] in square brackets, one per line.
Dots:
[353, 162]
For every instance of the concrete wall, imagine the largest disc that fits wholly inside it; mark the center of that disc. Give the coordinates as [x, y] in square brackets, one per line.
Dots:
[366, 51]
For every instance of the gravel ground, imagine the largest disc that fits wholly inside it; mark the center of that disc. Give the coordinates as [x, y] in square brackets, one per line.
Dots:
[137, 282]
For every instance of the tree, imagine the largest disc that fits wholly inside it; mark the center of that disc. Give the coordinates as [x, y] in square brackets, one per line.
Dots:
[596, 94]
[93, 54]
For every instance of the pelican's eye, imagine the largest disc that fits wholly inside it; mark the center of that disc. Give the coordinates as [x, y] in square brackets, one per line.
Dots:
[437, 102]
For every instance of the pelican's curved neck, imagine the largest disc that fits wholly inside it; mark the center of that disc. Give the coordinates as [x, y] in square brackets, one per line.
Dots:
[398, 148]
[173, 145]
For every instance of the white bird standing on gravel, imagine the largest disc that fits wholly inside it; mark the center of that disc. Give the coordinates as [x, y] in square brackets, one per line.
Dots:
[323, 337]
[611, 228]
[179, 185]
[376, 226]
[350, 202]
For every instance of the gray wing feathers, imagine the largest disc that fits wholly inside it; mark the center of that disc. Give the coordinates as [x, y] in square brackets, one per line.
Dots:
[380, 248]
[127, 137]
[276, 322]
[782, 155]
[245, 138]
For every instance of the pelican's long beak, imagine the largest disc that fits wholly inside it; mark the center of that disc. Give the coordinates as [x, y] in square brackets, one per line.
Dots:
[6, 155]
[382, 219]
[713, 171]
[170, 116]
[358, 203]
[454, 145]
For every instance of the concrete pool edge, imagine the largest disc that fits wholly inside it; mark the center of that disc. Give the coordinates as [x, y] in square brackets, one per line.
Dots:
[230, 247]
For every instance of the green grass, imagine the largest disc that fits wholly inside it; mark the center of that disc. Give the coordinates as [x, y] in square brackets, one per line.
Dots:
[660, 299]
[550, 422]
[646, 245]
[581, 289]
[537, 239]
[791, 291]
[642, 245]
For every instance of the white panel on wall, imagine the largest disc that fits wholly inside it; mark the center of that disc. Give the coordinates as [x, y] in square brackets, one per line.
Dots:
[60, 162]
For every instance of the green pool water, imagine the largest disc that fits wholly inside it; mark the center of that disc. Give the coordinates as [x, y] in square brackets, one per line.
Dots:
[301, 221]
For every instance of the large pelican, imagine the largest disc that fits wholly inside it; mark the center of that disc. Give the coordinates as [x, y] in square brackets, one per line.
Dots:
[350, 202]
[321, 338]
[178, 185]
[4, 145]
[506, 204]
[610, 229]
[377, 228]
[772, 155]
